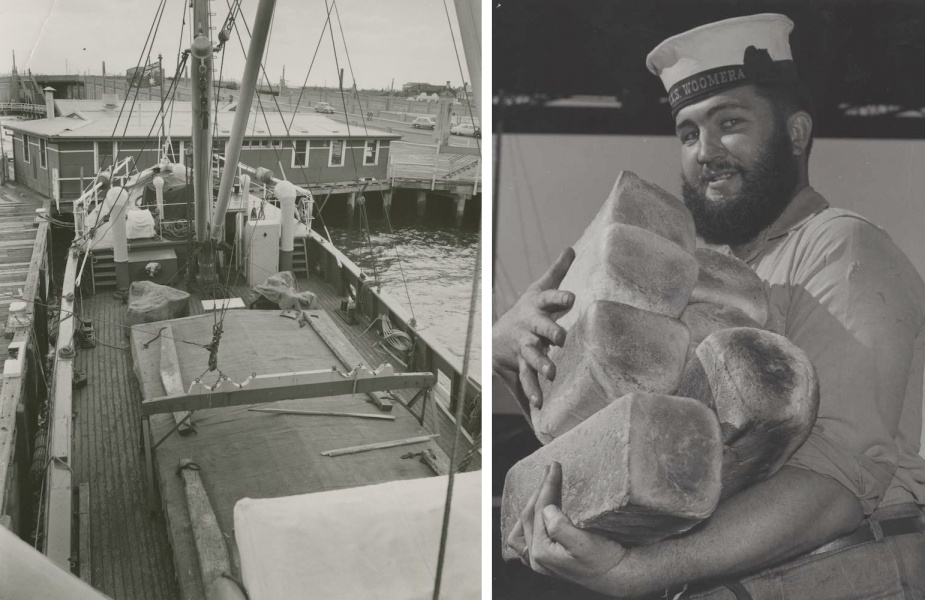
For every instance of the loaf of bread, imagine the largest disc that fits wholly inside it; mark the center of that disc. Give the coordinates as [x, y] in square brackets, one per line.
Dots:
[727, 281]
[765, 393]
[705, 318]
[614, 349]
[646, 271]
[644, 468]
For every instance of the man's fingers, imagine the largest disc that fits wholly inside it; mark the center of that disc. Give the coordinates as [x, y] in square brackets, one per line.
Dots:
[559, 528]
[556, 273]
[526, 521]
[530, 383]
[554, 301]
[546, 328]
[538, 361]
[551, 490]
[542, 548]
[516, 541]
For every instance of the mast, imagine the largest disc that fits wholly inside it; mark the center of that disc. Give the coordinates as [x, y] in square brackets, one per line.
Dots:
[201, 86]
[259, 36]
[469, 17]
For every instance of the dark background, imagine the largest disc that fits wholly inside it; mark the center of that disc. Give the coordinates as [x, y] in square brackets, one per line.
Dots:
[854, 56]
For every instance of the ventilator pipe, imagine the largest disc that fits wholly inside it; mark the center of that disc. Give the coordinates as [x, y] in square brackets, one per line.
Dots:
[286, 194]
[159, 193]
[119, 198]
[245, 182]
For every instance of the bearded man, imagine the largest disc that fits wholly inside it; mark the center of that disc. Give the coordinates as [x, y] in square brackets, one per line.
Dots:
[844, 517]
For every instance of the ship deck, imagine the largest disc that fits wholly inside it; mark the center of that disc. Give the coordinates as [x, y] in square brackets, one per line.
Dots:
[136, 554]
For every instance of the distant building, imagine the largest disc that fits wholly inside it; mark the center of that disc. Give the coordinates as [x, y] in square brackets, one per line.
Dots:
[422, 88]
[63, 151]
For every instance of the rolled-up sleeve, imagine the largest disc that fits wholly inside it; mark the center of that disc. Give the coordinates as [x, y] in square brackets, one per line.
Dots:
[855, 309]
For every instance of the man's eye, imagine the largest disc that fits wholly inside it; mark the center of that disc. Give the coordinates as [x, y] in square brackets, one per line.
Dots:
[731, 122]
[689, 136]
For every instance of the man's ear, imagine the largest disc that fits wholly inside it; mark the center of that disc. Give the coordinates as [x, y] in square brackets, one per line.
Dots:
[800, 128]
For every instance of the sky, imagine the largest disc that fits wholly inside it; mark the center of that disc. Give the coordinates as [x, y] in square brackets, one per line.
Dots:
[408, 40]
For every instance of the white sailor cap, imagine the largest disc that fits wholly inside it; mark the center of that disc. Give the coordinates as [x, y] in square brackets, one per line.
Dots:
[723, 55]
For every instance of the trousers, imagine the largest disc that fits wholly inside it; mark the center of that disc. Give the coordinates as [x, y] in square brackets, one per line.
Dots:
[891, 568]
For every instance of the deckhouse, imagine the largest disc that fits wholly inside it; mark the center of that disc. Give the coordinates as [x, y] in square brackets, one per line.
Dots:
[57, 157]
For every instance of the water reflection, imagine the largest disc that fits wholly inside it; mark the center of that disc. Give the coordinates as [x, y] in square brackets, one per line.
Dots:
[437, 264]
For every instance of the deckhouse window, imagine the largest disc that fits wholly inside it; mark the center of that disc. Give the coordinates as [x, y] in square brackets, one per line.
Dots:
[337, 153]
[300, 153]
[371, 152]
[43, 153]
[26, 151]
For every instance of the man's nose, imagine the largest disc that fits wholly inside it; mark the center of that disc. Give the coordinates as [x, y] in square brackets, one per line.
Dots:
[709, 148]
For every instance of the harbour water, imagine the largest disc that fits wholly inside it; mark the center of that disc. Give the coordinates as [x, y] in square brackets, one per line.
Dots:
[437, 265]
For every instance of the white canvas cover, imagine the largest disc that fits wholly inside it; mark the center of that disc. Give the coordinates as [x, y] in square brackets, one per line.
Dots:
[139, 224]
[374, 542]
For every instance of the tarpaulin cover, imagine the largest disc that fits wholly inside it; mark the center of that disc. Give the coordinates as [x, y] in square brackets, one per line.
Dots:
[175, 196]
[374, 542]
[149, 302]
[281, 290]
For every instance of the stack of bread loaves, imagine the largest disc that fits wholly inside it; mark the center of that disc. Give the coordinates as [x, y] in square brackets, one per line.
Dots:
[669, 393]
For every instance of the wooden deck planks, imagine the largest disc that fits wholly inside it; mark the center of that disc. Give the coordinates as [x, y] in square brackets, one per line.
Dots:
[131, 555]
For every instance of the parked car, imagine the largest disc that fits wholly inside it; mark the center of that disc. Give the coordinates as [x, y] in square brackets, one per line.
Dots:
[424, 123]
[324, 107]
[465, 129]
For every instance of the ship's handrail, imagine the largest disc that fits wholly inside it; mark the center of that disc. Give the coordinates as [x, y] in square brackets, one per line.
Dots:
[14, 389]
[429, 354]
[58, 475]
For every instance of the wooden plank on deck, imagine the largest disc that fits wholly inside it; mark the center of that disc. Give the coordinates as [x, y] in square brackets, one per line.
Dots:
[210, 544]
[344, 350]
[170, 376]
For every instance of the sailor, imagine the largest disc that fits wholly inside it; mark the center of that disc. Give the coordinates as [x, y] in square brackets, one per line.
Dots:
[844, 518]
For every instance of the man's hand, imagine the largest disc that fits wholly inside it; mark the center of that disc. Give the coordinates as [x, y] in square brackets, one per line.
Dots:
[550, 544]
[520, 337]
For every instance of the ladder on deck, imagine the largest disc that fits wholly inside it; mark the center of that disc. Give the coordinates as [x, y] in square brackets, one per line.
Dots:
[102, 266]
[300, 259]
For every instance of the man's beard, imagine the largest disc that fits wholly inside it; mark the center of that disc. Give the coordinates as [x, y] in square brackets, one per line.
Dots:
[767, 189]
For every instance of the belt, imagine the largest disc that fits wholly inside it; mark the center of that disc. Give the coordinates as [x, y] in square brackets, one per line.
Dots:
[867, 532]
[871, 530]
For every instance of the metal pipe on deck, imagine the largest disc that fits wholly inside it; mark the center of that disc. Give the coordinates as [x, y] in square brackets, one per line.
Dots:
[286, 193]
[119, 240]
[242, 112]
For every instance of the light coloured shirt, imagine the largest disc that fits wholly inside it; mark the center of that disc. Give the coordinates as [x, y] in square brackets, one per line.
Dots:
[841, 290]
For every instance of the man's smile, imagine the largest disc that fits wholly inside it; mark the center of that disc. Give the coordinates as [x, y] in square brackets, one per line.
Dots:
[720, 182]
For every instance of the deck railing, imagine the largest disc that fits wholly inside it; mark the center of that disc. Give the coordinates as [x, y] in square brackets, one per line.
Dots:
[409, 160]
[22, 107]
